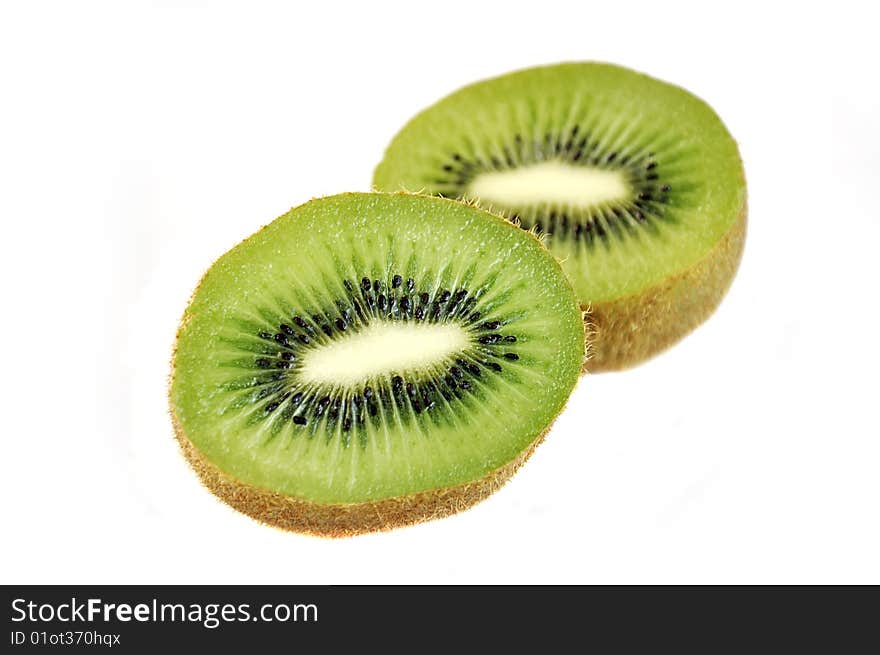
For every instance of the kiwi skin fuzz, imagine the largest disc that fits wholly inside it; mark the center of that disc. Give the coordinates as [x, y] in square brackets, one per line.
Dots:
[627, 331]
[345, 519]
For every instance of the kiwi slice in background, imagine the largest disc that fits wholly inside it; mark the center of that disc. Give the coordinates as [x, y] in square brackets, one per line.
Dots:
[637, 184]
[367, 361]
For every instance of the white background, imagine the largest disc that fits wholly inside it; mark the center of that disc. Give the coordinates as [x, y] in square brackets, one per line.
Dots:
[140, 141]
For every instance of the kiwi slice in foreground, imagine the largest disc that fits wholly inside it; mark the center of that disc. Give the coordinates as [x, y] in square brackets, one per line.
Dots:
[371, 360]
[637, 184]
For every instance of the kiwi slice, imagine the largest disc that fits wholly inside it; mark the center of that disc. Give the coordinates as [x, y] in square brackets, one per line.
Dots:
[637, 184]
[372, 360]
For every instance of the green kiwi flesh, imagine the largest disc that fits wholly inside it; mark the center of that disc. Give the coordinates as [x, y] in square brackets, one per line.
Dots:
[637, 184]
[366, 360]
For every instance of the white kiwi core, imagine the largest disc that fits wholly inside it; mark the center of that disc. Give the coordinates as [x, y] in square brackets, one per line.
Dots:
[549, 183]
[382, 349]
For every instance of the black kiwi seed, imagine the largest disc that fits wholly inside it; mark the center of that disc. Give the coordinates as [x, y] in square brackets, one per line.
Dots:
[445, 295]
[382, 301]
[284, 327]
[511, 356]
[510, 338]
[396, 281]
[365, 283]
[304, 339]
[301, 323]
[282, 339]
[410, 285]
[300, 420]
[424, 297]
[490, 338]
[341, 324]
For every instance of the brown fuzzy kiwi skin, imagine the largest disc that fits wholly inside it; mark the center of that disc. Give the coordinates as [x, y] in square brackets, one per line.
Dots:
[345, 519]
[335, 520]
[627, 331]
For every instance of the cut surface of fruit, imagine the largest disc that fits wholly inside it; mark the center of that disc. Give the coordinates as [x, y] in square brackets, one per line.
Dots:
[364, 350]
[383, 348]
[563, 186]
[635, 182]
